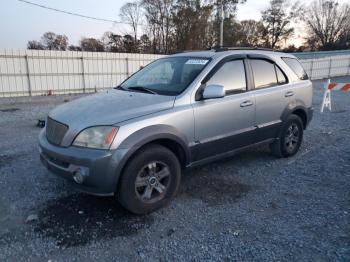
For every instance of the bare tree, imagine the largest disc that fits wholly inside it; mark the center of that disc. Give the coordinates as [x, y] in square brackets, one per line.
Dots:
[113, 42]
[327, 22]
[230, 5]
[159, 17]
[91, 45]
[35, 45]
[145, 44]
[48, 40]
[277, 20]
[252, 33]
[131, 13]
[74, 48]
[61, 42]
[51, 41]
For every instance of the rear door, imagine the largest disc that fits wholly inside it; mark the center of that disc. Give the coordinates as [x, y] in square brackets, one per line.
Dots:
[224, 124]
[272, 95]
[302, 87]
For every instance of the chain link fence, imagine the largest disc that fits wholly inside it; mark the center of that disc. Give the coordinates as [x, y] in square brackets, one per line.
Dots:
[43, 72]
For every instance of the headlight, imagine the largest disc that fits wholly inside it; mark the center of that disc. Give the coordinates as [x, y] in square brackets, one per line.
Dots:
[96, 137]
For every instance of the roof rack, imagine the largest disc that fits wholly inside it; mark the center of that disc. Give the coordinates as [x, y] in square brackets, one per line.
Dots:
[189, 51]
[224, 48]
[221, 49]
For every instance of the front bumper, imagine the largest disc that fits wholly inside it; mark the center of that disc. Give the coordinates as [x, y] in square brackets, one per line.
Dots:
[101, 168]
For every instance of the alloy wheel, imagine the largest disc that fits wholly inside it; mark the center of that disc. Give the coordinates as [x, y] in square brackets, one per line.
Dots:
[152, 182]
[292, 137]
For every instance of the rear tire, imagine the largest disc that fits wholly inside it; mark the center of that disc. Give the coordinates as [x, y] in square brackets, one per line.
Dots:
[150, 180]
[290, 138]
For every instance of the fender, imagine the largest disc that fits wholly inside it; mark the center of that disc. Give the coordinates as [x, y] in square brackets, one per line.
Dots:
[143, 136]
[151, 133]
[292, 107]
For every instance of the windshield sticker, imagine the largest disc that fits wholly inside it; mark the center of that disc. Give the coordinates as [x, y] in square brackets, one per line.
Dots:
[196, 62]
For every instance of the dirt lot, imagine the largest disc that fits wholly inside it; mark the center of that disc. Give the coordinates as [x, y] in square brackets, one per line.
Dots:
[248, 207]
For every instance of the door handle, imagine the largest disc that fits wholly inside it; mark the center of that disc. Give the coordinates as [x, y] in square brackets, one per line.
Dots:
[246, 103]
[289, 93]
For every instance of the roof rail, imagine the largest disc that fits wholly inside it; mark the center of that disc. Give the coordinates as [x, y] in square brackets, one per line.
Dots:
[224, 48]
[221, 49]
[189, 51]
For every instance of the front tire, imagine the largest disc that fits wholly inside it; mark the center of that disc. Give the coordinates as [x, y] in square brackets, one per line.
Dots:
[290, 138]
[150, 180]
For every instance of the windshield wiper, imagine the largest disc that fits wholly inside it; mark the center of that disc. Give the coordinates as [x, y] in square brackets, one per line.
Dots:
[119, 88]
[143, 89]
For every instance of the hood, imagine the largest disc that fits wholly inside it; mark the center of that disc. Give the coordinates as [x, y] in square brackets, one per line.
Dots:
[108, 108]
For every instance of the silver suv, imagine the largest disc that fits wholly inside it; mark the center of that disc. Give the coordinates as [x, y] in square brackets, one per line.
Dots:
[180, 111]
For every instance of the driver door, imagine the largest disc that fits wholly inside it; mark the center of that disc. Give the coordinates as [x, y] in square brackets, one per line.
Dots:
[225, 124]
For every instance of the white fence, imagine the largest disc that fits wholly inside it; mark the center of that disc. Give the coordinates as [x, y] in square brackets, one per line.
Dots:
[327, 67]
[39, 72]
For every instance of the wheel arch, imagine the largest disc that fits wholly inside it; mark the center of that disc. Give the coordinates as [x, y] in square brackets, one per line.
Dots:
[297, 108]
[163, 135]
[302, 114]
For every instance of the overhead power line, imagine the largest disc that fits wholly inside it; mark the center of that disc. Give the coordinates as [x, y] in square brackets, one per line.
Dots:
[72, 13]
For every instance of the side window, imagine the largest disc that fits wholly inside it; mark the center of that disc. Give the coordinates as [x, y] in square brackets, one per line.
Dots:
[231, 75]
[281, 79]
[264, 73]
[297, 68]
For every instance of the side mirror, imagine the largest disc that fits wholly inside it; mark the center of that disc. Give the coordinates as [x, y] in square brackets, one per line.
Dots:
[213, 91]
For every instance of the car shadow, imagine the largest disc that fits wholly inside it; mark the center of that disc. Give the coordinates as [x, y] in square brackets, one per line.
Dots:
[79, 219]
[213, 191]
[221, 181]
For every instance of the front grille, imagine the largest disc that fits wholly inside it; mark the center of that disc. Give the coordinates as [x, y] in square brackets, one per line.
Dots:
[55, 131]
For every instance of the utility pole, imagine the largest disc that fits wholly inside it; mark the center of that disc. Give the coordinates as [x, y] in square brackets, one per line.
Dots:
[221, 23]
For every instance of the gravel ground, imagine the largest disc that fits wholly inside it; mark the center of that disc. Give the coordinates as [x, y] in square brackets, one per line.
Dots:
[248, 207]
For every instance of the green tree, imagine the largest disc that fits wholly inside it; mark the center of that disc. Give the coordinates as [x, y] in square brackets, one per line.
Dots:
[129, 44]
[192, 25]
[145, 44]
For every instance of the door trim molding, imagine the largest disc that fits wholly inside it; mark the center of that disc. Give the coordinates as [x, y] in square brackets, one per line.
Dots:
[228, 154]
[270, 123]
[230, 134]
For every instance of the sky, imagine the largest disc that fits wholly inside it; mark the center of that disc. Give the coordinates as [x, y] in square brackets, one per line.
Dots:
[20, 22]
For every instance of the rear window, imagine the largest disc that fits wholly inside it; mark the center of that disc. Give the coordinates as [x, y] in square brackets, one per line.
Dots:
[297, 68]
[264, 73]
[267, 73]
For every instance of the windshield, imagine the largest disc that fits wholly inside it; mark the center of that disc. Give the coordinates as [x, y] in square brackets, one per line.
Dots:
[166, 76]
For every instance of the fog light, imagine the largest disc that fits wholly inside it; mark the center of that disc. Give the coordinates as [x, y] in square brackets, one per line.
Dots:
[78, 177]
